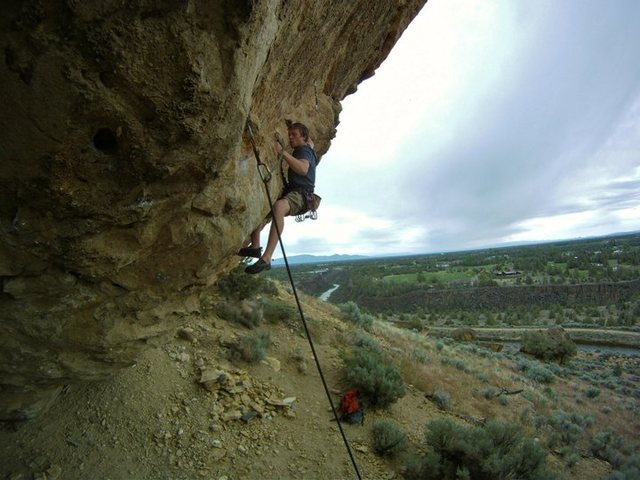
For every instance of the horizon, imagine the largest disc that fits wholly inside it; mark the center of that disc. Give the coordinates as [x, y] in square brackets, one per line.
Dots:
[277, 259]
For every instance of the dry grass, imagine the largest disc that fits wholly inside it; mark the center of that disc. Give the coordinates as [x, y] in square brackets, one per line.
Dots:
[465, 372]
[462, 374]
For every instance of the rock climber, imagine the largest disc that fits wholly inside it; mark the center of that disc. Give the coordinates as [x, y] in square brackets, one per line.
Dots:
[299, 187]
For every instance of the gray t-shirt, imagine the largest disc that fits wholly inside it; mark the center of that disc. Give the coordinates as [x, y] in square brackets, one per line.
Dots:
[305, 182]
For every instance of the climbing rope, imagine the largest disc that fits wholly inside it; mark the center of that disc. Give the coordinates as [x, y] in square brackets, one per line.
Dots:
[265, 181]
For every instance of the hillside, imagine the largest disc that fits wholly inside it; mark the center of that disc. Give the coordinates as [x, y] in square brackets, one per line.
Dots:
[156, 420]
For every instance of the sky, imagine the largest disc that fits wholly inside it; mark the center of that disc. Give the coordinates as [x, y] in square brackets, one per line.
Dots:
[491, 122]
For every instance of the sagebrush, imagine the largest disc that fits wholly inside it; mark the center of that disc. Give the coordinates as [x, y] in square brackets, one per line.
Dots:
[497, 450]
[373, 374]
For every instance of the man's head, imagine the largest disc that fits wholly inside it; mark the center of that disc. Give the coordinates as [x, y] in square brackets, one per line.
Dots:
[298, 134]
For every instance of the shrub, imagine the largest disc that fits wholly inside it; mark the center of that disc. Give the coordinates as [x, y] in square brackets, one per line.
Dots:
[253, 348]
[493, 451]
[366, 341]
[415, 323]
[606, 445]
[422, 467]
[630, 469]
[351, 312]
[388, 437]
[592, 392]
[455, 362]
[553, 344]
[568, 427]
[420, 356]
[238, 285]
[571, 459]
[489, 392]
[276, 310]
[442, 399]
[373, 375]
[246, 313]
[535, 370]
[540, 374]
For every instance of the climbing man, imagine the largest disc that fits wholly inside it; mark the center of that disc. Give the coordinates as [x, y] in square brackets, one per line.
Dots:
[294, 200]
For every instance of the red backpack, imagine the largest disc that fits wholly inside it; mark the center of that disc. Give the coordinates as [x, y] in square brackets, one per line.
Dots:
[351, 410]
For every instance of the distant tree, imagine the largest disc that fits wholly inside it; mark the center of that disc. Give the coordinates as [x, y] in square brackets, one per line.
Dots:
[553, 344]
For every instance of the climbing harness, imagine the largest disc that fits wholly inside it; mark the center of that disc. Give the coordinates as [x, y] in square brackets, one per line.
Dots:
[312, 201]
[265, 181]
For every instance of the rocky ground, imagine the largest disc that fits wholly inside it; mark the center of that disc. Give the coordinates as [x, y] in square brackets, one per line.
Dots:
[190, 409]
[185, 410]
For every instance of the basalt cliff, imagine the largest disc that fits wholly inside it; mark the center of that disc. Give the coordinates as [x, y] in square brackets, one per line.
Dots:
[127, 181]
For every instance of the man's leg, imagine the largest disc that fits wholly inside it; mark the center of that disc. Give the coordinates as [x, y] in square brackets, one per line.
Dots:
[253, 249]
[280, 209]
[255, 238]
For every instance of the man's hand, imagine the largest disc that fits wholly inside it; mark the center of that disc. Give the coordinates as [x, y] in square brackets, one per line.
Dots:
[278, 147]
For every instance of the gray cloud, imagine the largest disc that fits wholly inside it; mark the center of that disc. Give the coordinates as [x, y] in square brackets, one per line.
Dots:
[554, 134]
[512, 158]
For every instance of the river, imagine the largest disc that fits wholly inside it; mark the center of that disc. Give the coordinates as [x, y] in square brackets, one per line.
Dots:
[325, 296]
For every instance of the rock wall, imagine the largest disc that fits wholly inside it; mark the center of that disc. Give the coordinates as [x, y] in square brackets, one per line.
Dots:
[127, 181]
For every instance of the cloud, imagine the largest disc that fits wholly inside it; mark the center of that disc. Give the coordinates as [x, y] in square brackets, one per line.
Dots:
[489, 122]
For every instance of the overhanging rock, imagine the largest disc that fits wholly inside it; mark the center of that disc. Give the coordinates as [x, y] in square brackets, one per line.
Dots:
[126, 181]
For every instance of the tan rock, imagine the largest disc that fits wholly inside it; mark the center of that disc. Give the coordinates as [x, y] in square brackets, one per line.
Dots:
[129, 185]
[285, 402]
[274, 363]
[231, 415]
[213, 379]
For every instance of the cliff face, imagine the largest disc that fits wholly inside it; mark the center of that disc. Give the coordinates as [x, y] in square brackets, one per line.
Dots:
[127, 181]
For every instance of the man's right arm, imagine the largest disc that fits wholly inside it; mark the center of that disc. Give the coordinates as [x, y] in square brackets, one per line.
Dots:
[298, 165]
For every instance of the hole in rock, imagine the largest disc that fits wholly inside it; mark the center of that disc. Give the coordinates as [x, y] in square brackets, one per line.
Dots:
[105, 141]
[107, 79]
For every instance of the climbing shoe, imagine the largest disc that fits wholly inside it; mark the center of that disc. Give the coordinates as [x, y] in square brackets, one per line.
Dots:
[250, 252]
[257, 267]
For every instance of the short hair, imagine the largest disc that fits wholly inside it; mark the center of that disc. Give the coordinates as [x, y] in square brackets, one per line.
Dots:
[304, 131]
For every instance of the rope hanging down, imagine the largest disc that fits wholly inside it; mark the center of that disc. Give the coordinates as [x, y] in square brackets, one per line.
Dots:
[265, 179]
